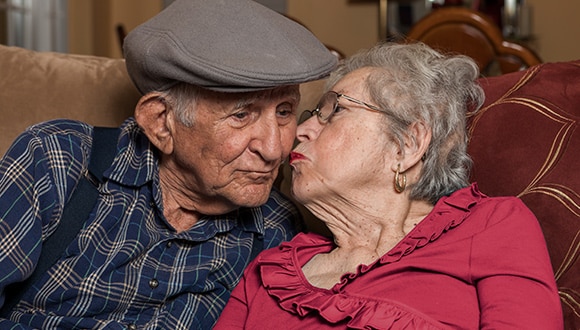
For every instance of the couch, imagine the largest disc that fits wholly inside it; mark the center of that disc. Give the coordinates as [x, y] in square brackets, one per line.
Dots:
[37, 86]
[524, 142]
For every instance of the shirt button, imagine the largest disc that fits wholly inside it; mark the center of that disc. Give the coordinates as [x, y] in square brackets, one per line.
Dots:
[132, 327]
[169, 244]
[153, 283]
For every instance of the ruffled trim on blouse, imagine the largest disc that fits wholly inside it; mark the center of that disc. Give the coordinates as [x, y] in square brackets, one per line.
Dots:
[283, 278]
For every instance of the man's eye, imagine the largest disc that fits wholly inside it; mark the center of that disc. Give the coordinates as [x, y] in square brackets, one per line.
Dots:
[285, 114]
[240, 118]
[285, 110]
[241, 115]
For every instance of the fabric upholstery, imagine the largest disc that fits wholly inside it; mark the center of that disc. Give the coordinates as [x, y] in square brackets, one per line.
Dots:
[38, 86]
[526, 142]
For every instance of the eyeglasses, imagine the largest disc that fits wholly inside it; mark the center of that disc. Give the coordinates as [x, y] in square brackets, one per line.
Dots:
[328, 104]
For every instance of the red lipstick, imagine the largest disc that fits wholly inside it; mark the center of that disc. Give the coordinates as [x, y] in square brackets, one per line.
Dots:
[296, 156]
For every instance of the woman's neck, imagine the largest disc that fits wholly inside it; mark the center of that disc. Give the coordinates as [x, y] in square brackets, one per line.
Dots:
[372, 224]
[362, 237]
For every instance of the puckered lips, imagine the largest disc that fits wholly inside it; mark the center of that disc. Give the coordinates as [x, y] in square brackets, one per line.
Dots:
[294, 156]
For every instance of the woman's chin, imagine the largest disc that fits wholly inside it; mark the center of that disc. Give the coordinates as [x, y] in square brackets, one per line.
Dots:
[300, 193]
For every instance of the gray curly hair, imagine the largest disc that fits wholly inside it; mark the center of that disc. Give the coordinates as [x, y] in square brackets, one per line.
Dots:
[414, 83]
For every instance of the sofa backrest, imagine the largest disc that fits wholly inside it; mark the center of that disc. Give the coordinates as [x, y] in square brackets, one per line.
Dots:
[38, 86]
[525, 141]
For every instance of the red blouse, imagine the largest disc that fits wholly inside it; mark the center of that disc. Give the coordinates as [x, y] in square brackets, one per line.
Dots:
[473, 262]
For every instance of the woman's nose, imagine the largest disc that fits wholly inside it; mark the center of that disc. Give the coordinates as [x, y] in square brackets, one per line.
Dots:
[309, 129]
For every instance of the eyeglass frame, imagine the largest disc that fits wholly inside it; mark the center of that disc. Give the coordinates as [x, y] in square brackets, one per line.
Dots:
[316, 111]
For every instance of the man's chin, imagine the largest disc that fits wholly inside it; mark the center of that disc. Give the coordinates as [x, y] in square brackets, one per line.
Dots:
[253, 195]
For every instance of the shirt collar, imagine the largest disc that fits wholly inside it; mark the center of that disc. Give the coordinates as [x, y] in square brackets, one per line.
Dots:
[136, 160]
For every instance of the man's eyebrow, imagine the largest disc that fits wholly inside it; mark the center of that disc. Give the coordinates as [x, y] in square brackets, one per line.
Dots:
[295, 97]
[272, 94]
[245, 102]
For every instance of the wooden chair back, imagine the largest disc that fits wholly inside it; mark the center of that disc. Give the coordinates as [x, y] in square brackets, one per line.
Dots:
[465, 31]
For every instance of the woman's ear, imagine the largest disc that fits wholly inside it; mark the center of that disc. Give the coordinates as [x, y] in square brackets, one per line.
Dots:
[153, 116]
[415, 145]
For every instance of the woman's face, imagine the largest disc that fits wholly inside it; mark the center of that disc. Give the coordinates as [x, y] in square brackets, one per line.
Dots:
[347, 154]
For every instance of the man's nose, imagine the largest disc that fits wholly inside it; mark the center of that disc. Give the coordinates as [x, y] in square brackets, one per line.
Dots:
[267, 140]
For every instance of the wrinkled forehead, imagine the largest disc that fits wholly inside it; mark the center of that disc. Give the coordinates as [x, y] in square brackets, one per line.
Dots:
[291, 92]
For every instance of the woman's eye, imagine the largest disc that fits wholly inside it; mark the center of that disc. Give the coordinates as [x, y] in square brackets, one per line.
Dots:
[339, 108]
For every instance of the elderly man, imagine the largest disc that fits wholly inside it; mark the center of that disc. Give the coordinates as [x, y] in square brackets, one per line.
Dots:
[187, 196]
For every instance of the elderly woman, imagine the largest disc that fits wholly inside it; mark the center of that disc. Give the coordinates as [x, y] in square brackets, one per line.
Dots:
[383, 163]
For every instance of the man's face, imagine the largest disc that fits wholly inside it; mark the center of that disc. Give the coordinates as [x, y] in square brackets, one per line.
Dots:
[232, 152]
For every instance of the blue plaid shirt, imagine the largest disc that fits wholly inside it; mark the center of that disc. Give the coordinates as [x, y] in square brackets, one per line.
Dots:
[127, 268]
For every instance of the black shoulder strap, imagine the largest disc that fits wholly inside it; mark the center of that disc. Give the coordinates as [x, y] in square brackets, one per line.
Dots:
[75, 213]
[257, 246]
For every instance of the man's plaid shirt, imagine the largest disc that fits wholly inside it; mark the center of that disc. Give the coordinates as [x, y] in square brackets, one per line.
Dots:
[127, 268]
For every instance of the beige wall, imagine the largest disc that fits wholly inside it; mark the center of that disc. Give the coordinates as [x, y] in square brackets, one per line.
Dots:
[556, 25]
[92, 23]
[347, 25]
[80, 27]
[351, 24]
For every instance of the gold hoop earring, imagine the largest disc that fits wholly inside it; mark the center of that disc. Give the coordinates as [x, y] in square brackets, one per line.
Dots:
[400, 180]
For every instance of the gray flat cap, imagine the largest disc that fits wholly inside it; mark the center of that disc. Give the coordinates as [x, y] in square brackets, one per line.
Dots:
[225, 46]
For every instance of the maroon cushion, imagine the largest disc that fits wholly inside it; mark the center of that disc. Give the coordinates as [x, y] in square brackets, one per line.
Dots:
[526, 142]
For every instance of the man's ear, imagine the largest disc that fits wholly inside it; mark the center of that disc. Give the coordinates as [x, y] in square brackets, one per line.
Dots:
[153, 116]
[415, 145]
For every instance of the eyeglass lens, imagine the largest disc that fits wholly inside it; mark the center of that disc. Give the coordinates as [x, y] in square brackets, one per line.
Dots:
[323, 110]
[327, 105]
